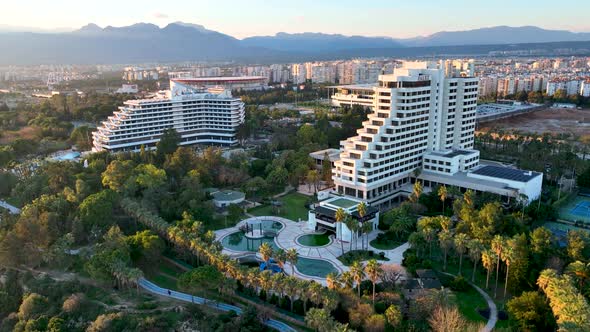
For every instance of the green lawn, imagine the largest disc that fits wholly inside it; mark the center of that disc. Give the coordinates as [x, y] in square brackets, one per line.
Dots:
[293, 207]
[385, 245]
[466, 300]
[164, 275]
[219, 222]
[350, 257]
[468, 303]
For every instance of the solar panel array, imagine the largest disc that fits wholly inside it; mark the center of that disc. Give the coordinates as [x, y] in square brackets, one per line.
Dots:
[506, 173]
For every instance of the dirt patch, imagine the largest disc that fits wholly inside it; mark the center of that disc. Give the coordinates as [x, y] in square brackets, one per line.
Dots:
[27, 132]
[551, 120]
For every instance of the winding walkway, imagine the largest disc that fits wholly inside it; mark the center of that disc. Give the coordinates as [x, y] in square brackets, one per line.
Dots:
[10, 208]
[491, 305]
[155, 289]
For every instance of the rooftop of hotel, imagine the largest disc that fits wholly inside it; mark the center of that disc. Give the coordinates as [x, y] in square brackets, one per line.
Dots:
[367, 86]
[506, 173]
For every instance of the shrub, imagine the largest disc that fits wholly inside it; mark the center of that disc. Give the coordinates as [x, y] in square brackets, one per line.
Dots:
[148, 305]
[380, 307]
[32, 306]
[459, 284]
[73, 303]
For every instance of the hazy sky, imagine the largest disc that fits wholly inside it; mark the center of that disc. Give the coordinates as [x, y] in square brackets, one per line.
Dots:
[243, 18]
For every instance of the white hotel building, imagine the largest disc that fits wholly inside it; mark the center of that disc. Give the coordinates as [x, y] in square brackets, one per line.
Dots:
[200, 116]
[422, 127]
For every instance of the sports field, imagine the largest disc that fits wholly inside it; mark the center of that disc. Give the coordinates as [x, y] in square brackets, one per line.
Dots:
[577, 210]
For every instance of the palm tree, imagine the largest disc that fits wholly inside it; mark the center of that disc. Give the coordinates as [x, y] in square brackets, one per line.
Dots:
[445, 240]
[429, 233]
[291, 287]
[475, 248]
[461, 240]
[358, 274]
[304, 293]
[340, 216]
[580, 271]
[507, 257]
[366, 228]
[402, 223]
[332, 281]
[352, 225]
[416, 192]
[347, 279]
[362, 209]
[252, 278]
[498, 243]
[488, 258]
[264, 280]
[373, 271]
[329, 300]
[265, 251]
[278, 283]
[281, 257]
[442, 194]
[416, 241]
[316, 292]
[292, 256]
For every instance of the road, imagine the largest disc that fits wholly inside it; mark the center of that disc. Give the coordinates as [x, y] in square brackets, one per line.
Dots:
[155, 289]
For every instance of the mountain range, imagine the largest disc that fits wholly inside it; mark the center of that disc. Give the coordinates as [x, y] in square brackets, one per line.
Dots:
[144, 42]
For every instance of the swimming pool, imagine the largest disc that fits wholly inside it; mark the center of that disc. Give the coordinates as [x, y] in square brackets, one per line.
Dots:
[239, 242]
[315, 267]
[266, 225]
[68, 156]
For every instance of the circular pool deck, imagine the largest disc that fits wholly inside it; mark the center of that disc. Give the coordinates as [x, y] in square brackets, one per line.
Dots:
[286, 238]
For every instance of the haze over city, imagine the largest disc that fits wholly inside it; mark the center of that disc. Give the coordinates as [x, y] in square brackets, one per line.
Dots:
[398, 19]
[327, 166]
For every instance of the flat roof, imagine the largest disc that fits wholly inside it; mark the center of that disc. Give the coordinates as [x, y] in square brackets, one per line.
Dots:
[344, 203]
[366, 86]
[228, 195]
[224, 79]
[333, 154]
[505, 173]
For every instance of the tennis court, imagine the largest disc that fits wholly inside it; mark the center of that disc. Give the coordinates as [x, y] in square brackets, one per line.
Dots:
[577, 210]
[560, 231]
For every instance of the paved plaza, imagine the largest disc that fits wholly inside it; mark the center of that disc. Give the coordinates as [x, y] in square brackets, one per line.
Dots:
[287, 239]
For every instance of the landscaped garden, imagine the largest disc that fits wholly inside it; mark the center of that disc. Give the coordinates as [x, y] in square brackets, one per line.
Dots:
[360, 255]
[386, 242]
[291, 206]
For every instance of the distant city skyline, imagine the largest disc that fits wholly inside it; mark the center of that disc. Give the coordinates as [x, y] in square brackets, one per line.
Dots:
[393, 18]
